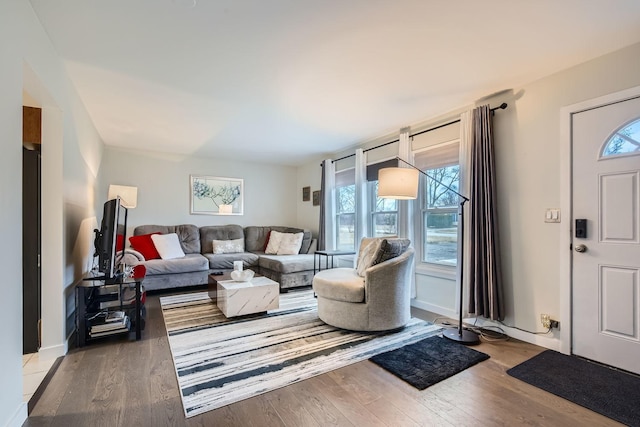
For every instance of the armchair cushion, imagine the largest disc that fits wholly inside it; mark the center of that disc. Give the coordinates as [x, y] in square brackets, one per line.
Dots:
[367, 256]
[390, 248]
[339, 284]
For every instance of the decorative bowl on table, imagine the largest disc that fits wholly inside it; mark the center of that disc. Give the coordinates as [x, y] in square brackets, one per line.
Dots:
[242, 275]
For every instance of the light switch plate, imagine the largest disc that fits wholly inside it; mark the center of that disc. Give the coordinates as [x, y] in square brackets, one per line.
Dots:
[552, 215]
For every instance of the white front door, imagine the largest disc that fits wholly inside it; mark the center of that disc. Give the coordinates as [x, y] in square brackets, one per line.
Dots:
[606, 262]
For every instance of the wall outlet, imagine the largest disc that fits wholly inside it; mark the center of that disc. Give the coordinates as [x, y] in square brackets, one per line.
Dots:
[546, 321]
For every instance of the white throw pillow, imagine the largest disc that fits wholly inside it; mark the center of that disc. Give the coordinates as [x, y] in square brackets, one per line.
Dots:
[290, 243]
[365, 259]
[228, 246]
[168, 245]
[275, 237]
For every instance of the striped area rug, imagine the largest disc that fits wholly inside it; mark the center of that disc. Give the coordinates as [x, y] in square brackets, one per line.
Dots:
[220, 361]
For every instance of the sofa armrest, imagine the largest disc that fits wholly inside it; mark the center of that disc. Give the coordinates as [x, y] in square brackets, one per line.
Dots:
[313, 247]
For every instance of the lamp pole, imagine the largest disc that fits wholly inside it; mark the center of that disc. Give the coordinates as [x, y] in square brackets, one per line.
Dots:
[460, 335]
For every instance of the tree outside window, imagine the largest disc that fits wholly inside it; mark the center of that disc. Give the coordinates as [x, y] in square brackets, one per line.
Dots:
[440, 216]
[384, 214]
[345, 217]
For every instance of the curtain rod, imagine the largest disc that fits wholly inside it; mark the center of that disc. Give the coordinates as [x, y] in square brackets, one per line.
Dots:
[500, 107]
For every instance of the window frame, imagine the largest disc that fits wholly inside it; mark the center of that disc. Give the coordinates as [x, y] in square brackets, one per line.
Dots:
[447, 271]
[373, 212]
[338, 215]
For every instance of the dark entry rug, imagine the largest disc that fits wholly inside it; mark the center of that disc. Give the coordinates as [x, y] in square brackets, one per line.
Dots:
[607, 391]
[428, 361]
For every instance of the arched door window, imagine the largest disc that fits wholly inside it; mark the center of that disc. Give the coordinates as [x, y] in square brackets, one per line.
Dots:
[624, 141]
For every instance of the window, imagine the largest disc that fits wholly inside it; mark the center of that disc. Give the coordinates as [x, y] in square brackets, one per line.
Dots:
[384, 214]
[440, 204]
[624, 141]
[345, 209]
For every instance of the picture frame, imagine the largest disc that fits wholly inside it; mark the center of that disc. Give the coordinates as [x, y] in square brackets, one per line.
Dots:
[316, 198]
[306, 194]
[216, 195]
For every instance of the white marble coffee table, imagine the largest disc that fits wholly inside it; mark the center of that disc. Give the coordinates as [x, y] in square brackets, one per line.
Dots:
[240, 298]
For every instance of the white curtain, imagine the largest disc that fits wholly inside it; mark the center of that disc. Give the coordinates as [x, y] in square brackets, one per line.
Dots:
[405, 207]
[466, 143]
[362, 207]
[327, 230]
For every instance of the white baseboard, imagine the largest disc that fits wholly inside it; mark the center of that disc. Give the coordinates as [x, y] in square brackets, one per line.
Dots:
[442, 311]
[550, 341]
[53, 352]
[19, 416]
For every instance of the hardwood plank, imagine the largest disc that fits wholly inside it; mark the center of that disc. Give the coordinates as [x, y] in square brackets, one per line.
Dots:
[117, 382]
[290, 409]
[369, 376]
[346, 403]
[320, 408]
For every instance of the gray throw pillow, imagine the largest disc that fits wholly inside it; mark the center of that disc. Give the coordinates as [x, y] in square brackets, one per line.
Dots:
[390, 248]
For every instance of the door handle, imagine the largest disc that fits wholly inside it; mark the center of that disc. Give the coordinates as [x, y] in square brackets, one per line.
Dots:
[580, 248]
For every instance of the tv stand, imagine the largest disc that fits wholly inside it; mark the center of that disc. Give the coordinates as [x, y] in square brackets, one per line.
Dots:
[97, 297]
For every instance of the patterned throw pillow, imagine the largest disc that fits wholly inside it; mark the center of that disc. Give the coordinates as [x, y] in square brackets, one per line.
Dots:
[390, 248]
[365, 258]
[228, 246]
[290, 243]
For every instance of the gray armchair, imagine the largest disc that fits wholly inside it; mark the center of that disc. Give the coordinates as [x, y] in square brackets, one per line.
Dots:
[379, 301]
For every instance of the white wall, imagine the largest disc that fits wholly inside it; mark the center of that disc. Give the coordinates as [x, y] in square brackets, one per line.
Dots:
[528, 147]
[271, 191]
[30, 62]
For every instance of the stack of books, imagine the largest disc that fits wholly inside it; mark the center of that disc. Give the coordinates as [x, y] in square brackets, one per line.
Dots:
[115, 322]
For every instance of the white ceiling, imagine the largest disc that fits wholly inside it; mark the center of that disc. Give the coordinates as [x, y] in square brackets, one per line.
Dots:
[284, 81]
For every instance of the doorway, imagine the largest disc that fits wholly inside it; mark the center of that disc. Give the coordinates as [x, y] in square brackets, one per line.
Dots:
[605, 232]
[31, 230]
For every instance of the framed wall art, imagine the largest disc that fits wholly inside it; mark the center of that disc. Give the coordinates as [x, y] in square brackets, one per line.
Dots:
[306, 194]
[316, 198]
[215, 195]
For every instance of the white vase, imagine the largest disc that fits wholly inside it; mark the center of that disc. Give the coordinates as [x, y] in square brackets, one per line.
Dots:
[242, 276]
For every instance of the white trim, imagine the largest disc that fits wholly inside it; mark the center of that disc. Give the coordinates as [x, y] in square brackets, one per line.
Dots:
[19, 416]
[549, 341]
[53, 352]
[566, 114]
[437, 309]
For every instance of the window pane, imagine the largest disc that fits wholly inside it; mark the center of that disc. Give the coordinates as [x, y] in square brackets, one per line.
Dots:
[441, 240]
[346, 232]
[384, 205]
[385, 224]
[438, 195]
[624, 141]
[346, 199]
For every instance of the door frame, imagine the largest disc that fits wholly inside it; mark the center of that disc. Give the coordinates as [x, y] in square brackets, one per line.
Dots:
[566, 194]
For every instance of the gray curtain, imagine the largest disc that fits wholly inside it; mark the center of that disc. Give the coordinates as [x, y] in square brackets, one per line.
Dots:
[485, 290]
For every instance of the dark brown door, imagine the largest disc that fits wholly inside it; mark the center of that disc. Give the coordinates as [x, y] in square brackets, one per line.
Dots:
[31, 280]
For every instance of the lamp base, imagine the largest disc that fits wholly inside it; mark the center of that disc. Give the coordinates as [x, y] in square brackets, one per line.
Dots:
[467, 337]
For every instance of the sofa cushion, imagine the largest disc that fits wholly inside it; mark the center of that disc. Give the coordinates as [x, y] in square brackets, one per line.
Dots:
[188, 234]
[227, 246]
[210, 233]
[189, 263]
[256, 237]
[145, 246]
[225, 261]
[390, 248]
[168, 245]
[340, 284]
[286, 263]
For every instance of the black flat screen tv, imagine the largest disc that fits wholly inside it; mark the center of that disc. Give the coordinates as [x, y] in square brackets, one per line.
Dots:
[110, 239]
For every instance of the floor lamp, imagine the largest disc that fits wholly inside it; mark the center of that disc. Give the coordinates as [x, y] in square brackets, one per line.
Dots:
[402, 184]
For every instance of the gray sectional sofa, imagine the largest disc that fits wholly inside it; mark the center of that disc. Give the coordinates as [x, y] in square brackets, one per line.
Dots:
[290, 271]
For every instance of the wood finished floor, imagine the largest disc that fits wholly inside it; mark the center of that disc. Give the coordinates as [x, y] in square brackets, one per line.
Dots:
[128, 383]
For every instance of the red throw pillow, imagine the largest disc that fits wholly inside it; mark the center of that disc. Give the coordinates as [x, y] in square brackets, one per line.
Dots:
[145, 246]
[266, 242]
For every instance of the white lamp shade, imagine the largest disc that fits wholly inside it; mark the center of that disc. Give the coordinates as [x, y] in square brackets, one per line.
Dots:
[225, 209]
[398, 183]
[128, 195]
